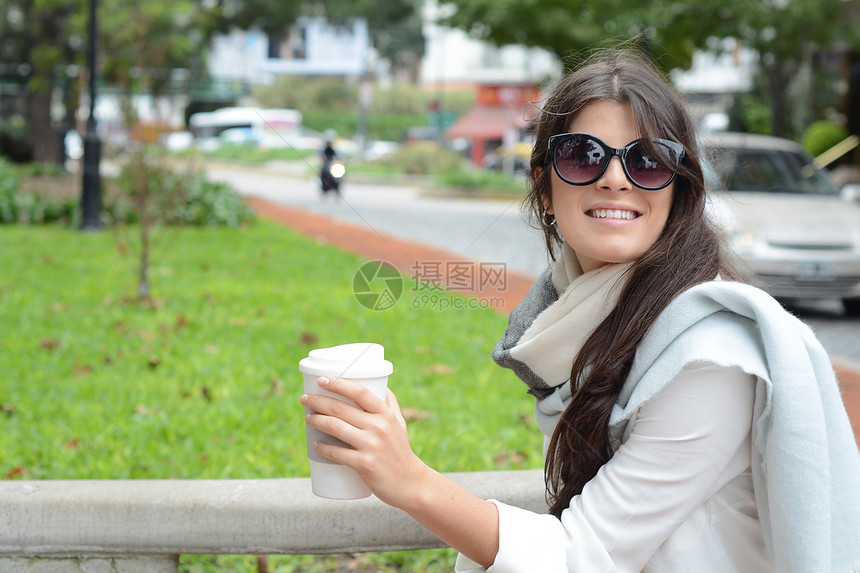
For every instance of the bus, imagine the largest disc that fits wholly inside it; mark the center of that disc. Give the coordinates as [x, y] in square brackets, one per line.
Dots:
[266, 128]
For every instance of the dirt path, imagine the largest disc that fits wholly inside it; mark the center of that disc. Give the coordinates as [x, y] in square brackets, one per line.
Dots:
[405, 254]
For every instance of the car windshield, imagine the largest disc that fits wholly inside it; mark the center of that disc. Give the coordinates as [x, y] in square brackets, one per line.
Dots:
[768, 171]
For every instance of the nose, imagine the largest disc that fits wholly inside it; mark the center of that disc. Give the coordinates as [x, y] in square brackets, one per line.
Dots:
[614, 178]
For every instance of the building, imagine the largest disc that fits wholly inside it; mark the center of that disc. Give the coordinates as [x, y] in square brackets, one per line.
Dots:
[311, 47]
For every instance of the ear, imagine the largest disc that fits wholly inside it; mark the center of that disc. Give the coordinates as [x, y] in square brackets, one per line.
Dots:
[545, 196]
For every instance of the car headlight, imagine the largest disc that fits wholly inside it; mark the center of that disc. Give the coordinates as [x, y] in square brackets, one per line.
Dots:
[741, 240]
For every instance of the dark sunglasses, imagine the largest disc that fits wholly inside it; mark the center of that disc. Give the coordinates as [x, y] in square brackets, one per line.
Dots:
[581, 159]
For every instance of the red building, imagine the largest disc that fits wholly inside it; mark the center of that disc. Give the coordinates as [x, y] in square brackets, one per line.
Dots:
[501, 111]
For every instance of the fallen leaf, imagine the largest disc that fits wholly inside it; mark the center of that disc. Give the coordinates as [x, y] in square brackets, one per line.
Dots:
[7, 409]
[506, 458]
[17, 472]
[415, 415]
[82, 369]
[276, 388]
[153, 362]
[308, 338]
[71, 444]
[50, 344]
[439, 369]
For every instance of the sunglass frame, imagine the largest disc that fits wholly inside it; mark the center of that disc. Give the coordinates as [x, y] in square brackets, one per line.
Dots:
[621, 152]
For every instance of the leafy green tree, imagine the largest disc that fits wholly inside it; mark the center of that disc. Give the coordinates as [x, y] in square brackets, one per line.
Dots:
[395, 28]
[40, 38]
[783, 32]
[142, 41]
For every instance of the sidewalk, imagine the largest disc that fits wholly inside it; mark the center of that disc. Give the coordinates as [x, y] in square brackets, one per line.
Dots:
[404, 255]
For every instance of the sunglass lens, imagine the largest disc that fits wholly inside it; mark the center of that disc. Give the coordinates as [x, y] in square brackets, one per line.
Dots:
[579, 159]
[651, 170]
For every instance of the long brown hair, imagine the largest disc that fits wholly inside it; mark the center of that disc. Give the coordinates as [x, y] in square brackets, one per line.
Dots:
[688, 252]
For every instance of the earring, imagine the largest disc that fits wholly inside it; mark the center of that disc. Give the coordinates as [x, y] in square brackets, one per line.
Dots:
[548, 219]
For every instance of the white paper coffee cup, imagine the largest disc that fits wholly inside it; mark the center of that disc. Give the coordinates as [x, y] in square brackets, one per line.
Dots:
[361, 362]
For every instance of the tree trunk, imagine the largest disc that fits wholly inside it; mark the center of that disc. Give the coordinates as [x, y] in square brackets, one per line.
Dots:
[778, 89]
[44, 137]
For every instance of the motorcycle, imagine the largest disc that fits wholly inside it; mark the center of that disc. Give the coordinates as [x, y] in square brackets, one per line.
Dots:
[331, 175]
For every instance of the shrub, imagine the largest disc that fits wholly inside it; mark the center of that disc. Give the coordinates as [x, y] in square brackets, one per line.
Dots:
[15, 141]
[31, 194]
[8, 189]
[34, 194]
[148, 186]
[822, 135]
[425, 157]
[481, 179]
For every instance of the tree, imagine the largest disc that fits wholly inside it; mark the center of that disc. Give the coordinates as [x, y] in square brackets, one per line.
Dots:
[784, 33]
[395, 28]
[42, 38]
[142, 41]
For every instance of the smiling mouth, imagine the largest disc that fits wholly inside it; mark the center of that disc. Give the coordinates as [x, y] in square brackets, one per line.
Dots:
[612, 214]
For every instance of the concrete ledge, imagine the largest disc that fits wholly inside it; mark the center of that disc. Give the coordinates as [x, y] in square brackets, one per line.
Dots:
[85, 565]
[105, 518]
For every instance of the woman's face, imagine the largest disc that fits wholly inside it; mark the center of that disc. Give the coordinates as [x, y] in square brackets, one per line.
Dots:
[610, 220]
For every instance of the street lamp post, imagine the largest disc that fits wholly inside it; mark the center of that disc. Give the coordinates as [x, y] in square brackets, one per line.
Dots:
[91, 194]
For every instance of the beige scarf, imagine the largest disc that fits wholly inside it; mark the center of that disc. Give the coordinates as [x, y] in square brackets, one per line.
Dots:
[547, 329]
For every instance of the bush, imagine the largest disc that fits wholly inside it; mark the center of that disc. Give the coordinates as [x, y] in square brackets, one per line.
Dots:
[481, 179]
[822, 135]
[750, 113]
[32, 194]
[147, 186]
[8, 190]
[251, 154]
[387, 126]
[35, 194]
[425, 157]
[15, 142]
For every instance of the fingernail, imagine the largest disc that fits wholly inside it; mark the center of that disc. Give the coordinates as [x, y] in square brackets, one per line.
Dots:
[304, 399]
[323, 382]
[307, 418]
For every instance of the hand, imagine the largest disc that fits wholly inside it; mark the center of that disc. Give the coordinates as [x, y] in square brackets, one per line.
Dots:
[376, 431]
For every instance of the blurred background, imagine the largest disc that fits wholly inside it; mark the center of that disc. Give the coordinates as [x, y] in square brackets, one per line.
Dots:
[462, 74]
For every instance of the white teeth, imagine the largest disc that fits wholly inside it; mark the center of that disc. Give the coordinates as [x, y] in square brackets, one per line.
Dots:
[612, 214]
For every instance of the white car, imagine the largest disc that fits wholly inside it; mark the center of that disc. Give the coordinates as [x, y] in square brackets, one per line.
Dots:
[791, 231]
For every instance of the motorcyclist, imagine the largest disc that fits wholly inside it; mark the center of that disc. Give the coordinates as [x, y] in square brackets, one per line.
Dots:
[328, 180]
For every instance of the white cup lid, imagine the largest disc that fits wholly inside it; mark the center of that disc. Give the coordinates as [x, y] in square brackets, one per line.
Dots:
[356, 360]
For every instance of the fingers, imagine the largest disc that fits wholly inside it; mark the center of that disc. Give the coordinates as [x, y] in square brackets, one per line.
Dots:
[342, 419]
[358, 393]
[391, 400]
[361, 428]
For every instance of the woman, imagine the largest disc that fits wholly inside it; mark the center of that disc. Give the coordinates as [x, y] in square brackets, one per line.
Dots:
[692, 424]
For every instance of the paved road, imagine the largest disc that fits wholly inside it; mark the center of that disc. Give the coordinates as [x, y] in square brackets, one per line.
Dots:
[489, 231]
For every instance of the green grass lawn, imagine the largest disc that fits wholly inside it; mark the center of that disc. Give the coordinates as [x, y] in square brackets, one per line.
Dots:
[202, 383]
